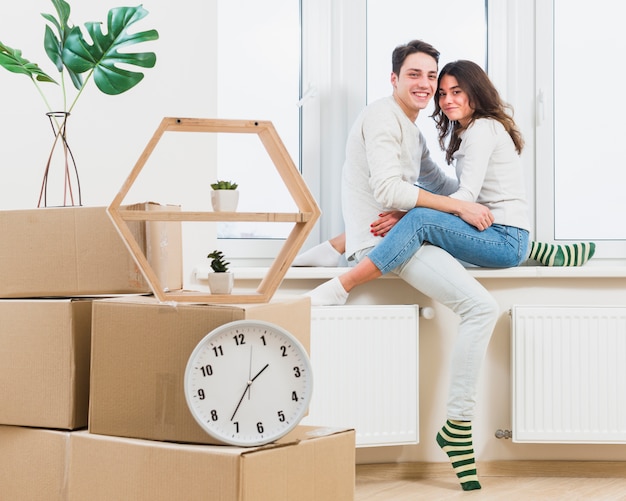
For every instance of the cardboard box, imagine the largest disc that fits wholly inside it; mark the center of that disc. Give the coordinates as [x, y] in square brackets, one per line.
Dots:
[33, 464]
[140, 349]
[163, 245]
[310, 464]
[44, 362]
[68, 252]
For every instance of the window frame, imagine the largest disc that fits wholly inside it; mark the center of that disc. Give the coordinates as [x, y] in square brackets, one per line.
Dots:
[545, 136]
[332, 63]
[520, 63]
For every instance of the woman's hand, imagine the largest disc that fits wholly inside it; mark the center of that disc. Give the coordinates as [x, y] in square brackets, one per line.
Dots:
[476, 214]
[386, 221]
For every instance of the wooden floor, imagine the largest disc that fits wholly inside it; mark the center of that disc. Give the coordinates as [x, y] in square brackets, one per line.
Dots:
[501, 481]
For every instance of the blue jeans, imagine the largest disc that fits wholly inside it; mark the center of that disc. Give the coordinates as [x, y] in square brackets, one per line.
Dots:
[498, 246]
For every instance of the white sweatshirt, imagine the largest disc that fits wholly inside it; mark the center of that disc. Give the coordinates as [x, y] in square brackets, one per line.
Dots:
[386, 155]
[490, 173]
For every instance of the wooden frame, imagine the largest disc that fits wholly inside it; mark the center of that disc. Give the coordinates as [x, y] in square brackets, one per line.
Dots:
[304, 220]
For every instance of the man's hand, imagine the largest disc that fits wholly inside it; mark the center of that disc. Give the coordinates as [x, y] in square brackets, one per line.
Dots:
[386, 221]
[476, 214]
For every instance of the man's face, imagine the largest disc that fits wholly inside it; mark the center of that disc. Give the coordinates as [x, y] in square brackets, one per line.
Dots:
[415, 86]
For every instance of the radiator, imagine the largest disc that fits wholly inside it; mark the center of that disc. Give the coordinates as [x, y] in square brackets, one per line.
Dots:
[569, 374]
[365, 372]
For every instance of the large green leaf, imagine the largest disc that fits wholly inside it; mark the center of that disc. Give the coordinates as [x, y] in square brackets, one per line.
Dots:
[12, 60]
[103, 57]
[54, 43]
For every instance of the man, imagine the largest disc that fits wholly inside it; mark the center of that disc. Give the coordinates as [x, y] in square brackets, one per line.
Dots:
[388, 166]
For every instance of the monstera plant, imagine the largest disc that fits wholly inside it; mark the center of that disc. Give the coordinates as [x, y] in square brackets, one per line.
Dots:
[81, 60]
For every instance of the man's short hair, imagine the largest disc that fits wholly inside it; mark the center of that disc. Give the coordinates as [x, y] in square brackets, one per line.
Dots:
[401, 52]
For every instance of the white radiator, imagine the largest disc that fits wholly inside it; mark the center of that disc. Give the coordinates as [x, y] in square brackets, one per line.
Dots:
[569, 374]
[365, 371]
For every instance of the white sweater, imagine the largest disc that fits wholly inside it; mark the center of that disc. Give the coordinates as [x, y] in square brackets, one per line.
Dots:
[490, 173]
[386, 155]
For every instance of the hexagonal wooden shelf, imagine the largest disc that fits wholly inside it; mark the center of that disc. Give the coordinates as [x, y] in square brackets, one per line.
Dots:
[303, 220]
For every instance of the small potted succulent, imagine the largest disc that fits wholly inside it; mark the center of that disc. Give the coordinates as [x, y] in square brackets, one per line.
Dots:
[220, 279]
[224, 196]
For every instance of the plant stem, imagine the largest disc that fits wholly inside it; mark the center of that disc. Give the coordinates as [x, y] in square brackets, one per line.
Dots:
[64, 90]
[80, 91]
[43, 96]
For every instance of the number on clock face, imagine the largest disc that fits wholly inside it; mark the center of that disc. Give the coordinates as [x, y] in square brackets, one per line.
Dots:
[248, 383]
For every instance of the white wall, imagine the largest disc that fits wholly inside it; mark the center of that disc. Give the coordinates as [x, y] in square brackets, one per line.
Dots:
[108, 133]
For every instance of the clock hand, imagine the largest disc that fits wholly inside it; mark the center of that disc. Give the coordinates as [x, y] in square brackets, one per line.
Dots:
[241, 399]
[250, 372]
[259, 373]
[248, 384]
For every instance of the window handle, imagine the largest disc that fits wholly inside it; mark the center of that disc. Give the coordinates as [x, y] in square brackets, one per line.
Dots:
[541, 108]
[310, 92]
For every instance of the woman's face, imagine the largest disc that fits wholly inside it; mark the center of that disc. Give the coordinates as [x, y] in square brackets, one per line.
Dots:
[453, 101]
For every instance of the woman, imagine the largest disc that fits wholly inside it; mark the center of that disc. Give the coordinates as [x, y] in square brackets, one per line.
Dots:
[485, 144]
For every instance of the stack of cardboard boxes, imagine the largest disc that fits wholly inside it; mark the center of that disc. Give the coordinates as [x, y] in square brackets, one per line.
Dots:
[91, 376]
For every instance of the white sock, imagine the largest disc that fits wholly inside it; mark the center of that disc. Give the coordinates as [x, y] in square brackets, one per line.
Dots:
[323, 254]
[329, 293]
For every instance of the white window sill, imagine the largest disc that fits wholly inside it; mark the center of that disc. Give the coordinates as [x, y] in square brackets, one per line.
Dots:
[598, 268]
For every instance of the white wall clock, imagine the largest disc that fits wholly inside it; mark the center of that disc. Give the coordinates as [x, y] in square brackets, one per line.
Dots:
[248, 383]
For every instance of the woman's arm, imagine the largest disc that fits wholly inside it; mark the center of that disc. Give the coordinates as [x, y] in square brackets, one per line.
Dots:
[478, 144]
[475, 214]
[472, 213]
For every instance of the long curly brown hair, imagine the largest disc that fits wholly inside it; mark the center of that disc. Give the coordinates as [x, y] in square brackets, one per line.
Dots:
[483, 99]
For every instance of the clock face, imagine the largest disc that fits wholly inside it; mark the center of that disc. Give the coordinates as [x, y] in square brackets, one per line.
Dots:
[248, 383]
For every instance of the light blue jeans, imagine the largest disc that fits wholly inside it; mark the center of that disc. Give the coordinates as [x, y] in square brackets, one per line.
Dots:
[498, 246]
[435, 273]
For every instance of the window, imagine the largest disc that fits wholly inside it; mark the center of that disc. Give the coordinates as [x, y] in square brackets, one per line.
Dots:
[258, 77]
[343, 62]
[335, 56]
[578, 133]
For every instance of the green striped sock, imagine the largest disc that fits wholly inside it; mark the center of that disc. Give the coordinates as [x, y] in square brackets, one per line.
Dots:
[562, 254]
[455, 438]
